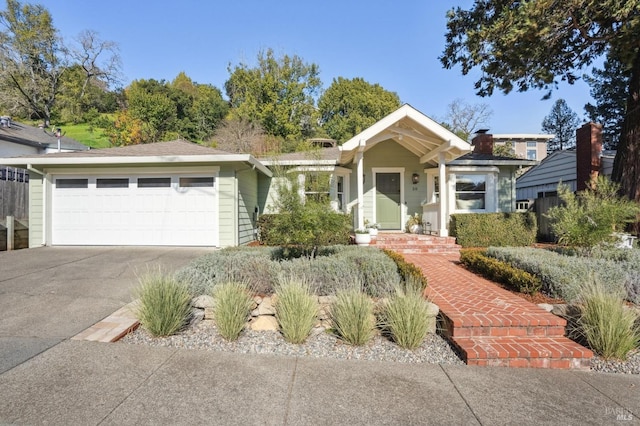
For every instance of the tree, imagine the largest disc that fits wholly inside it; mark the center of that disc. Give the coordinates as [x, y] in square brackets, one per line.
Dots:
[504, 150]
[235, 135]
[609, 86]
[562, 121]
[149, 101]
[348, 107]
[464, 119]
[33, 60]
[278, 93]
[531, 44]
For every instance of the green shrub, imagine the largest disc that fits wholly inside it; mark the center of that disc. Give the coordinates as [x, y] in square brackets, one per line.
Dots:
[296, 310]
[251, 265]
[164, 303]
[592, 216]
[232, 304]
[563, 275]
[352, 316]
[334, 268]
[494, 229]
[608, 325]
[405, 317]
[408, 271]
[517, 279]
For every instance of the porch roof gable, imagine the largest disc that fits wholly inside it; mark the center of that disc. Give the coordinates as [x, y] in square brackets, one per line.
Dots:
[414, 131]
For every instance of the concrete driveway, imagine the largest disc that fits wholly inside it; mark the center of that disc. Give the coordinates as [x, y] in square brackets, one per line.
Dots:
[50, 294]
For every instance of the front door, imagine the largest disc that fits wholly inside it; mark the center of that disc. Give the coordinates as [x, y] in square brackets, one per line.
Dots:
[388, 200]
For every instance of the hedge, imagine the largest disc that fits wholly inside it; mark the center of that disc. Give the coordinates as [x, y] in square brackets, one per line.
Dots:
[494, 229]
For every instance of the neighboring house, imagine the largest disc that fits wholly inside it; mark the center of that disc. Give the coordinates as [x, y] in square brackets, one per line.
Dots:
[562, 166]
[180, 193]
[531, 146]
[21, 139]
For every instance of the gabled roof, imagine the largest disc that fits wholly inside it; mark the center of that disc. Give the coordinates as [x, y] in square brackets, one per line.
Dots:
[172, 152]
[414, 131]
[24, 134]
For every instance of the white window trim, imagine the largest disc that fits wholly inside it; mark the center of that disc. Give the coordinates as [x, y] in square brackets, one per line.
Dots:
[491, 188]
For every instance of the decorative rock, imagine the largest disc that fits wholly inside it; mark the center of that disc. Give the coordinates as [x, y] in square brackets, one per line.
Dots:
[202, 302]
[208, 313]
[432, 313]
[264, 323]
[255, 312]
[323, 312]
[257, 299]
[266, 307]
[326, 300]
[546, 306]
[197, 315]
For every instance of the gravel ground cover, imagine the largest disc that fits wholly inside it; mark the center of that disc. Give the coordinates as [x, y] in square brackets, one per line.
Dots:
[434, 350]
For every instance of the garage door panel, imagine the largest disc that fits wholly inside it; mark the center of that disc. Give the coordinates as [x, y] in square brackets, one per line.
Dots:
[95, 215]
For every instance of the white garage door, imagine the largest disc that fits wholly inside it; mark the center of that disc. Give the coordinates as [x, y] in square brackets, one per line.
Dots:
[167, 210]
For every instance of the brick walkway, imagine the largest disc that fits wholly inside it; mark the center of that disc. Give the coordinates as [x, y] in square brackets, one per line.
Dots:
[491, 326]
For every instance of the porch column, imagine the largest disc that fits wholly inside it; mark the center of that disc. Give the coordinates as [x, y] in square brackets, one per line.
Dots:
[360, 180]
[444, 196]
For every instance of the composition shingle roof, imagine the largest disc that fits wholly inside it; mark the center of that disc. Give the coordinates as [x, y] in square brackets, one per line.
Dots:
[34, 136]
[157, 149]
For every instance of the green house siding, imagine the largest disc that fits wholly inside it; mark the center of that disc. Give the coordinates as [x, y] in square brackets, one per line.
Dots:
[390, 154]
[36, 210]
[247, 203]
[227, 206]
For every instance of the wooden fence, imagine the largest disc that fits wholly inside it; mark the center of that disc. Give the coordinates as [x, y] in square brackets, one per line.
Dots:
[14, 193]
[541, 206]
[20, 234]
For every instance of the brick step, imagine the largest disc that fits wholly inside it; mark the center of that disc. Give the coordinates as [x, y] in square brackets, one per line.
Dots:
[533, 352]
[524, 324]
[415, 249]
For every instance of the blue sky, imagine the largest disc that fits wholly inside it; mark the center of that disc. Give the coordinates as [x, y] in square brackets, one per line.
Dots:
[394, 44]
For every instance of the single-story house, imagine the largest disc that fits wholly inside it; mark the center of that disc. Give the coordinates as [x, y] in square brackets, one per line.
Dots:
[572, 167]
[181, 193]
[21, 139]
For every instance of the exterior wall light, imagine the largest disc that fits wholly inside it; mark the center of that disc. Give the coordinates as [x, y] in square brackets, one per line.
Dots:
[415, 178]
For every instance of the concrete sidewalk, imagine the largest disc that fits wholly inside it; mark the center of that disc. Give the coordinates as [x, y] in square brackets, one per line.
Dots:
[114, 383]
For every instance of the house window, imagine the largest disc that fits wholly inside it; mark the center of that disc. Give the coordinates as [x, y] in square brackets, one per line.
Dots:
[340, 192]
[532, 154]
[154, 182]
[72, 183]
[316, 186]
[470, 191]
[196, 182]
[112, 183]
[532, 144]
[436, 188]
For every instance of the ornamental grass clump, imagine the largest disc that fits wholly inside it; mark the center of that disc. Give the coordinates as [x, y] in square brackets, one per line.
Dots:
[232, 304]
[296, 309]
[610, 328]
[406, 316]
[352, 316]
[164, 303]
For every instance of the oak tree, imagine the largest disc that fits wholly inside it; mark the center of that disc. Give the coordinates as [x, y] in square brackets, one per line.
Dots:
[348, 107]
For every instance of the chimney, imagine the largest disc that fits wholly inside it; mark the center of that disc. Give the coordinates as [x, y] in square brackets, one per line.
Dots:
[588, 150]
[482, 142]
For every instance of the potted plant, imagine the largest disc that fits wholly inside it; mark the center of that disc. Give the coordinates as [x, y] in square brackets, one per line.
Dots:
[414, 224]
[372, 227]
[363, 238]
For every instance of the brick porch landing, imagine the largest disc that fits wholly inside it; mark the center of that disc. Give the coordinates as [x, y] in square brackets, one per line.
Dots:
[415, 243]
[491, 326]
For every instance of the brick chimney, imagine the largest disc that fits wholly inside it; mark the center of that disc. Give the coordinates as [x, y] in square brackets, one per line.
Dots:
[482, 142]
[588, 150]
